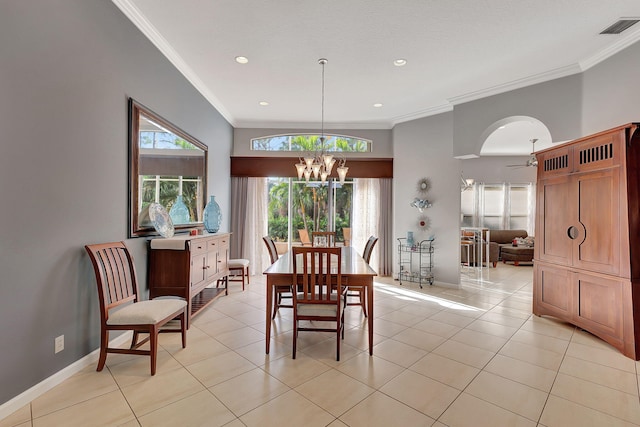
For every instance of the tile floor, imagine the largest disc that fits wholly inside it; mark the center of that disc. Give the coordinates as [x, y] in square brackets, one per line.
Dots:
[473, 356]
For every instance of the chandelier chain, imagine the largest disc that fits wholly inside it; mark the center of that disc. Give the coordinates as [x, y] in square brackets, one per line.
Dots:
[321, 162]
[322, 62]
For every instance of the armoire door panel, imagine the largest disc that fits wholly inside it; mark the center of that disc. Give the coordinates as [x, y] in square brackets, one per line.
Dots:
[553, 241]
[598, 213]
[599, 305]
[553, 292]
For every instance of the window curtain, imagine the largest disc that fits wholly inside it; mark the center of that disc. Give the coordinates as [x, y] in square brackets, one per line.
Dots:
[531, 216]
[506, 208]
[256, 226]
[478, 220]
[249, 222]
[366, 215]
[238, 215]
[385, 229]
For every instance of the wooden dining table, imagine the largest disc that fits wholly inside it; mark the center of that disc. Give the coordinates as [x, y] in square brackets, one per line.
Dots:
[356, 273]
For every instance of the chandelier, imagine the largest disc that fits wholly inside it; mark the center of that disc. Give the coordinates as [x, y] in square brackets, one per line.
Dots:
[321, 163]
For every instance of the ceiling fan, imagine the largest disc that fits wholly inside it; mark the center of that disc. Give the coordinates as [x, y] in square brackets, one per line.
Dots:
[532, 161]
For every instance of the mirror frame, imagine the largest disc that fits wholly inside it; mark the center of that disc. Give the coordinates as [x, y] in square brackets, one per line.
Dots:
[135, 111]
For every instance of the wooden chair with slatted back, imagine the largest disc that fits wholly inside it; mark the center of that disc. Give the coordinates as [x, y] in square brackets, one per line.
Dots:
[315, 273]
[359, 292]
[280, 291]
[368, 248]
[329, 237]
[121, 309]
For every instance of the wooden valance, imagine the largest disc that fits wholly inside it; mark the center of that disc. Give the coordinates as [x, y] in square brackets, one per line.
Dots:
[171, 165]
[284, 167]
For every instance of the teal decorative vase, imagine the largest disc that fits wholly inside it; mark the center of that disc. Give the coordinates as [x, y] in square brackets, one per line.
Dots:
[179, 212]
[212, 216]
[410, 241]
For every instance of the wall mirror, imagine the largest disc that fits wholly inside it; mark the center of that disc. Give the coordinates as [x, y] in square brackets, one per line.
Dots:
[166, 166]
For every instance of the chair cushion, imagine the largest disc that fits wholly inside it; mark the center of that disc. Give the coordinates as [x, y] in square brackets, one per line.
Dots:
[328, 310]
[146, 312]
[238, 263]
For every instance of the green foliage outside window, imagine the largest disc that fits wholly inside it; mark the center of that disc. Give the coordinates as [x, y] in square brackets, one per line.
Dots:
[311, 143]
[309, 208]
[169, 190]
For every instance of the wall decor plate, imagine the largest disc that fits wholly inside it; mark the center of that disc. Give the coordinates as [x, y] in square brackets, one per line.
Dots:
[161, 220]
[424, 185]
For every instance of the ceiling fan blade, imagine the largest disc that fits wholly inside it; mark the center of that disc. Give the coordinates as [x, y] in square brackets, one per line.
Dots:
[517, 166]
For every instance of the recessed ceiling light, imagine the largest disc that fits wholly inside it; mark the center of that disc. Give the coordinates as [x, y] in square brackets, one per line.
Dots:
[400, 62]
[377, 105]
[242, 59]
[263, 103]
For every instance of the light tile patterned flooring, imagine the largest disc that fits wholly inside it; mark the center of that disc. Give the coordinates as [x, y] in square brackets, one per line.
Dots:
[473, 356]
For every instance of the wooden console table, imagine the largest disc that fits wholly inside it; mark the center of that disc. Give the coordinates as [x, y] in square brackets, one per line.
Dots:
[186, 266]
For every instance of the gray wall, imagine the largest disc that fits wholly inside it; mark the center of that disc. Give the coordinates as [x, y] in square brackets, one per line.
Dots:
[68, 67]
[610, 92]
[557, 104]
[422, 148]
[494, 169]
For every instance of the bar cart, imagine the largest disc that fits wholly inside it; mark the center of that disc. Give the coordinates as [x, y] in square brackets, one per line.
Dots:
[415, 261]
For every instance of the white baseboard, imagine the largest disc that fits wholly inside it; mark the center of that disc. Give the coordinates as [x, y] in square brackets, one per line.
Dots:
[47, 384]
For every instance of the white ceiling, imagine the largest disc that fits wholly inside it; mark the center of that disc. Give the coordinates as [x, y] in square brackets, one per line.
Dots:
[456, 51]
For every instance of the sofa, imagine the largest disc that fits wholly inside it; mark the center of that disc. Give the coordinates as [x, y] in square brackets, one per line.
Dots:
[501, 238]
[498, 239]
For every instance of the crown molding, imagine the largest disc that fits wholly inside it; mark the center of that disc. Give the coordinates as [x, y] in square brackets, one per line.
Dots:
[517, 84]
[312, 125]
[611, 50]
[138, 19]
[431, 111]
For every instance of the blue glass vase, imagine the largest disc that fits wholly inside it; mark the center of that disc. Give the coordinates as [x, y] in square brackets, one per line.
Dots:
[179, 212]
[212, 216]
[410, 240]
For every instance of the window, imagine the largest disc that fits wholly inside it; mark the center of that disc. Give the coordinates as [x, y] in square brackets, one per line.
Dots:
[336, 143]
[499, 206]
[313, 206]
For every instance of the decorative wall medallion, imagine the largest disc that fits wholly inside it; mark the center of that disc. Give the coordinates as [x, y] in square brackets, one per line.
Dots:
[424, 223]
[424, 185]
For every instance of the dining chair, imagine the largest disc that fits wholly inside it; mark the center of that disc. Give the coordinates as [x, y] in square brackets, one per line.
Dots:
[304, 237]
[368, 248]
[121, 309]
[329, 237]
[315, 270]
[280, 291]
[359, 292]
[240, 269]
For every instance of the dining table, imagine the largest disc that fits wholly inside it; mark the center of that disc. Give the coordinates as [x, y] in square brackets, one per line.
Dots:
[356, 273]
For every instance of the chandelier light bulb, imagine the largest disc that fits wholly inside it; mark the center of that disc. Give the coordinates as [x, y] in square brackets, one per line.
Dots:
[308, 162]
[300, 167]
[342, 173]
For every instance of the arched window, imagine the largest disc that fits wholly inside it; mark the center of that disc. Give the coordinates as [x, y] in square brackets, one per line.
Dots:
[311, 143]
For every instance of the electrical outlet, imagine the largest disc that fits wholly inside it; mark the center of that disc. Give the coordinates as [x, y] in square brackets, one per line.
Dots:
[59, 344]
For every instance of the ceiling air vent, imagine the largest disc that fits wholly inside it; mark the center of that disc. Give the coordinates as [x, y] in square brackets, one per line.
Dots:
[620, 26]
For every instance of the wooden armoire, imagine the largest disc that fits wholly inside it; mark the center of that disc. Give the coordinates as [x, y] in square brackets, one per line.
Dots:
[587, 250]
